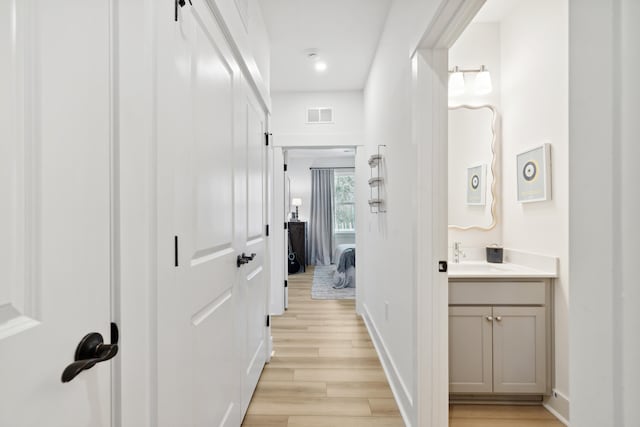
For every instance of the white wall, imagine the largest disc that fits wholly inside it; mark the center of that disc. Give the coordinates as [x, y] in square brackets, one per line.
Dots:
[259, 42]
[389, 239]
[535, 106]
[479, 45]
[289, 119]
[604, 235]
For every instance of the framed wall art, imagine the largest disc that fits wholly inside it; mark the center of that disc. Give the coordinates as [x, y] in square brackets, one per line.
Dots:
[476, 185]
[534, 174]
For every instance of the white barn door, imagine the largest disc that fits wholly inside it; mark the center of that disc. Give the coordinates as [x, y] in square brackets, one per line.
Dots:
[55, 212]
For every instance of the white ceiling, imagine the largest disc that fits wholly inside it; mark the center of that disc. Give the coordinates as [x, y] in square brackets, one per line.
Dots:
[494, 11]
[345, 32]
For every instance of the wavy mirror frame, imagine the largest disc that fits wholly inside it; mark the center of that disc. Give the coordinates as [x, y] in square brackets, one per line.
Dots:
[494, 161]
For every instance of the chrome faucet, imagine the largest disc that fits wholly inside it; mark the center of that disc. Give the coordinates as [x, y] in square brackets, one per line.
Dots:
[457, 251]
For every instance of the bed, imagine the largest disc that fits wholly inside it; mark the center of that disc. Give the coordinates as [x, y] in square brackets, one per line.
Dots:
[337, 253]
[345, 260]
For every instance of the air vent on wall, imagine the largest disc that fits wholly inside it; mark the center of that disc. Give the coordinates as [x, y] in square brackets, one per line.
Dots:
[320, 115]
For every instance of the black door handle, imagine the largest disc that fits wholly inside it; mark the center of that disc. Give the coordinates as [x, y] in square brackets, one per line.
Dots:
[90, 350]
[244, 259]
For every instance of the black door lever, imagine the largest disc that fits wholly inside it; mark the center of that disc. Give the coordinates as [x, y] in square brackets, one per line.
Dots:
[90, 350]
[244, 259]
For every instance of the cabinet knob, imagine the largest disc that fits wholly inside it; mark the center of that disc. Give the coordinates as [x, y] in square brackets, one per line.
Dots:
[498, 318]
[490, 318]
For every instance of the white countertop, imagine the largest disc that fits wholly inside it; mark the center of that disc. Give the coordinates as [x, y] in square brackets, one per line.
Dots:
[485, 270]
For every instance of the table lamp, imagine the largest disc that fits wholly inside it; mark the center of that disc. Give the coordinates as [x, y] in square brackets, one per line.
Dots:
[297, 202]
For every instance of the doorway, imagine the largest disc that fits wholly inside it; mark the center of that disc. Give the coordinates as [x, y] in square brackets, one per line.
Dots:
[321, 218]
[432, 68]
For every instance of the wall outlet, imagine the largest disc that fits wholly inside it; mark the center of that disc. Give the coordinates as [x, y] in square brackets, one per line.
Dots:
[386, 310]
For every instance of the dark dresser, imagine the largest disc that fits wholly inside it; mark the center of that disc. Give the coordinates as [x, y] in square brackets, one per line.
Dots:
[298, 241]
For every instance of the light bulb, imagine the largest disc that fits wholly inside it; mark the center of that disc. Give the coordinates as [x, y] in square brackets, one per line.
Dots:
[483, 82]
[320, 66]
[456, 83]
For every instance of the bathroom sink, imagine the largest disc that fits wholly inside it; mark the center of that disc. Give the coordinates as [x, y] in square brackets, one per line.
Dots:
[486, 269]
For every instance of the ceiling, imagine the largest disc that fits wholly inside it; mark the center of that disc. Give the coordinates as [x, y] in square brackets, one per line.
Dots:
[345, 33]
[494, 11]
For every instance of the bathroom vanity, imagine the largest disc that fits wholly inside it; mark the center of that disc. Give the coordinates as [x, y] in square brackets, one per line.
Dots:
[501, 328]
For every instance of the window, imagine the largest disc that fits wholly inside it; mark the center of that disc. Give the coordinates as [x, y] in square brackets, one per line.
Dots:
[344, 218]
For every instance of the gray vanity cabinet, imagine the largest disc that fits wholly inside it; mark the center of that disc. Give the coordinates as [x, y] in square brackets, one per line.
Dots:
[470, 350]
[499, 337]
[519, 350]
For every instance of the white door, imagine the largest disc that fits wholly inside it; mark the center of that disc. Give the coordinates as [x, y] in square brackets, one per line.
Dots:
[199, 192]
[55, 210]
[253, 286]
[286, 207]
[278, 290]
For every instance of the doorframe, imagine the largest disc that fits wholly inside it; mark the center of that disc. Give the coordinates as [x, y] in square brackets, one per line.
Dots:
[280, 217]
[430, 134]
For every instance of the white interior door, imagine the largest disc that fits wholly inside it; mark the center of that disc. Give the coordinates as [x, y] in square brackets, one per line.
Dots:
[254, 282]
[286, 207]
[278, 247]
[55, 183]
[201, 200]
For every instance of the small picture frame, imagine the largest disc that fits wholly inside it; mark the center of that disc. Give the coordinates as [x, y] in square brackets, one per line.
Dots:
[476, 185]
[534, 174]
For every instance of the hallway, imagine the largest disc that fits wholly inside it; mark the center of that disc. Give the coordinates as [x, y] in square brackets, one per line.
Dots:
[325, 373]
[324, 370]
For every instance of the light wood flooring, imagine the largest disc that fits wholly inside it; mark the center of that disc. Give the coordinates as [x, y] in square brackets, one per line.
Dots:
[325, 373]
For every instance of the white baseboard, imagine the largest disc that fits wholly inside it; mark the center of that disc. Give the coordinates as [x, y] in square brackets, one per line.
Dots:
[398, 387]
[269, 346]
[558, 405]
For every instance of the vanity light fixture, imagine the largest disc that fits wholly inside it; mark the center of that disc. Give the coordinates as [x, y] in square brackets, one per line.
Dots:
[456, 82]
[482, 83]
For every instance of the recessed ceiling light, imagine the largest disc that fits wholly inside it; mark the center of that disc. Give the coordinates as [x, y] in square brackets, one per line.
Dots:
[320, 66]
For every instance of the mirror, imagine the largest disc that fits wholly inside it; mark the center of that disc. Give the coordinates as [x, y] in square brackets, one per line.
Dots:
[472, 167]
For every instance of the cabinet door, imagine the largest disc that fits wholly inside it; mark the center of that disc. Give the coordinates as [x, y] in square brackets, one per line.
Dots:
[519, 350]
[470, 368]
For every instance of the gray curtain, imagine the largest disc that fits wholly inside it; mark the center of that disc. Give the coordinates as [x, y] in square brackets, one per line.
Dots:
[321, 218]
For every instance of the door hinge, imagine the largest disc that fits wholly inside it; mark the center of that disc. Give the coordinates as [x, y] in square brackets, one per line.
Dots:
[285, 167]
[175, 251]
[266, 230]
[286, 225]
[267, 135]
[286, 283]
[268, 320]
[442, 266]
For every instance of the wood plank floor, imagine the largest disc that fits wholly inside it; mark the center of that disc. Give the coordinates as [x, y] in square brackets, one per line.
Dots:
[325, 373]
